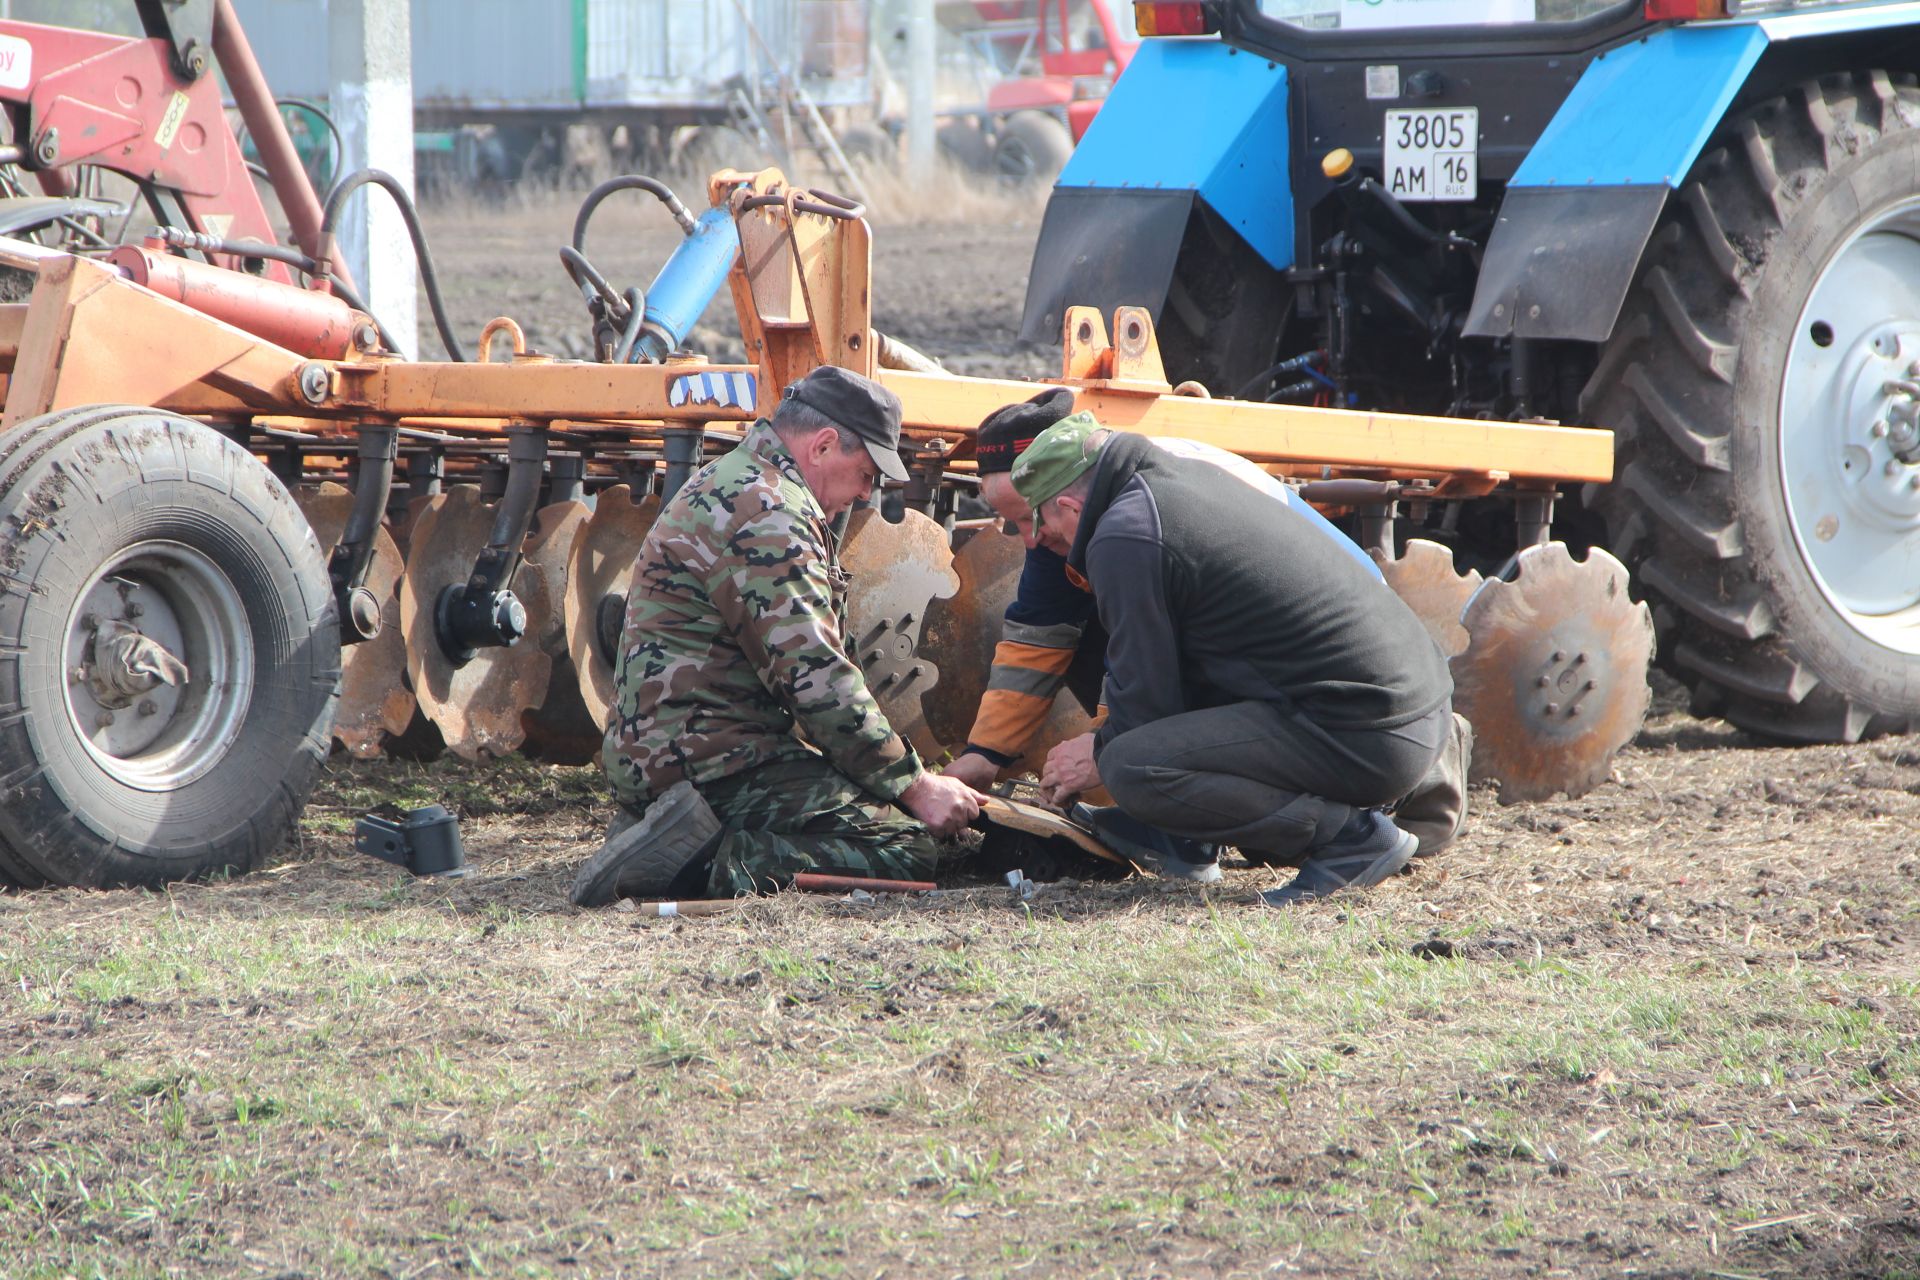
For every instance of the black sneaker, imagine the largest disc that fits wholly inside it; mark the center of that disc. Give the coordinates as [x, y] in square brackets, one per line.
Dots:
[648, 856]
[1164, 855]
[1367, 850]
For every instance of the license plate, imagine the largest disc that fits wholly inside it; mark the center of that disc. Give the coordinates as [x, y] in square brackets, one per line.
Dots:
[1434, 153]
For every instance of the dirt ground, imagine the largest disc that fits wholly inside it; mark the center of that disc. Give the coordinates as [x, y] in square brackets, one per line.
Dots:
[1670, 1028]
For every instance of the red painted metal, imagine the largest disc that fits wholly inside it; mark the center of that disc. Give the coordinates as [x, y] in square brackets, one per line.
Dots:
[117, 103]
[305, 321]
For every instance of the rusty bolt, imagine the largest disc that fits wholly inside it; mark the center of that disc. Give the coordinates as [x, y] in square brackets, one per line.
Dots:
[76, 675]
[147, 707]
[47, 150]
[365, 336]
[313, 382]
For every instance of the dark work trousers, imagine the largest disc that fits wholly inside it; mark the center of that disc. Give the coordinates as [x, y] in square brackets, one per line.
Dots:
[1265, 780]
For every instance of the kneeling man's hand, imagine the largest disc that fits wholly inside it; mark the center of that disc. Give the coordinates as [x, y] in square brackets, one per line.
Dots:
[944, 804]
[1070, 770]
[973, 769]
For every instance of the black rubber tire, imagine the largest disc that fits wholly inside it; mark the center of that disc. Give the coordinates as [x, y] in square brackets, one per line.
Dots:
[1691, 383]
[77, 489]
[1031, 149]
[962, 145]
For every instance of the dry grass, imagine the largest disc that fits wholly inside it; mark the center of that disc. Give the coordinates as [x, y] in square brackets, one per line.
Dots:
[1672, 1027]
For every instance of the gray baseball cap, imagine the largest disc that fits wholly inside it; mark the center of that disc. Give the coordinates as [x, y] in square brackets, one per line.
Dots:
[859, 404]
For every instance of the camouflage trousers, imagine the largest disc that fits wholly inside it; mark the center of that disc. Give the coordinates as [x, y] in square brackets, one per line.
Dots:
[805, 815]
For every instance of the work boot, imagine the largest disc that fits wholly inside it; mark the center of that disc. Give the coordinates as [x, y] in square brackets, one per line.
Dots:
[1368, 850]
[1436, 809]
[1168, 856]
[651, 856]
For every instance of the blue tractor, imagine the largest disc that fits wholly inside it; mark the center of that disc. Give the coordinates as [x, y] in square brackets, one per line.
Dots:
[1695, 222]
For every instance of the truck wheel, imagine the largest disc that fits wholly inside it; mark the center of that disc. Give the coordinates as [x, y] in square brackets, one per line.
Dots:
[1764, 380]
[962, 145]
[1031, 150]
[168, 651]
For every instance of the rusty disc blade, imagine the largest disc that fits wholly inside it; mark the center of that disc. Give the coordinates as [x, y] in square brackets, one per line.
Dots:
[960, 636]
[1554, 679]
[478, 707]
[375, 700]
[962, 631]
[897, 570]
[602, 566]
[560, 729]
[1425, 578]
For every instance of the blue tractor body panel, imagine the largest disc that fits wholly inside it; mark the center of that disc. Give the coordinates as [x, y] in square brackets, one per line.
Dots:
[1641, 113]
[1199, 116]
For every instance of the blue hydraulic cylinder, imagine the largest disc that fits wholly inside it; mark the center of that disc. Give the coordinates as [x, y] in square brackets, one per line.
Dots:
[686, 284]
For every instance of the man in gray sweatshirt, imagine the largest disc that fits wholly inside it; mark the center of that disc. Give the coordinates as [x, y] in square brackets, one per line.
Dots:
[1263, 689]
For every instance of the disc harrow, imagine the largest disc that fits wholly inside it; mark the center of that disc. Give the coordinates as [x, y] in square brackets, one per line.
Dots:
[516, 493]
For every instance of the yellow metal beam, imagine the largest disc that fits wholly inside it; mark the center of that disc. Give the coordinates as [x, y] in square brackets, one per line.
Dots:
[1269, 433]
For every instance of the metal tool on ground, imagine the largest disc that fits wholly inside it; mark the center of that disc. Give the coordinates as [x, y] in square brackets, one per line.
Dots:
[425, 841]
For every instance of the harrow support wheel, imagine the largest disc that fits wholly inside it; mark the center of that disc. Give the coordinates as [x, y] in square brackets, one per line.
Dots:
[602, 568]
[1554, 679]
[376, 702]
[897, 571]
[169, 652]
[480, 708]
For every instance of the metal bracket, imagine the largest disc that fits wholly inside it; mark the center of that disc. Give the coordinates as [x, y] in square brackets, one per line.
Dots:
[353, 554]
[186, 25]
[483, 612]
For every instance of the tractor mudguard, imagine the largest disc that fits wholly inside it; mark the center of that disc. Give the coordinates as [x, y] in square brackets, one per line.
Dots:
[1190, 119]
[1578, 212]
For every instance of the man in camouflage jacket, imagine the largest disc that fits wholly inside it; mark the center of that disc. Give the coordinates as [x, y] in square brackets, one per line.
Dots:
[734, 673]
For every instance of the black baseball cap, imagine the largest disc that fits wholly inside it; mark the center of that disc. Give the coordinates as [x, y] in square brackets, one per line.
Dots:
[1008, 430]
[859, 404]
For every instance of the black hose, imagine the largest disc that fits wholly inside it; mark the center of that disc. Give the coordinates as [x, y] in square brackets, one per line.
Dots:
[636, 315]
[391, 185]
[588, 280]
[629, 182]
[354, 300]
[304, 104]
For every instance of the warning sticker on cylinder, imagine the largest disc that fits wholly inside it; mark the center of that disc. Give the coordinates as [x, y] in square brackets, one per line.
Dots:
[16, 63]
[722, 390]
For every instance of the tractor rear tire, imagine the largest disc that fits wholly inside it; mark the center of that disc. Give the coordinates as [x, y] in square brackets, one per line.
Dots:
[133, 522]
[1769, 516]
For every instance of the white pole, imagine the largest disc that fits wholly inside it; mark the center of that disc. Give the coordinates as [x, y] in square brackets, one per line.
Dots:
[920, 77]
[370, 66]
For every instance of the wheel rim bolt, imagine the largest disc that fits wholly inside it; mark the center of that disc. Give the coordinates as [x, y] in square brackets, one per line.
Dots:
[147, 707]
[76, 675]
[135, 609]
[1878, 430]
[104, 719]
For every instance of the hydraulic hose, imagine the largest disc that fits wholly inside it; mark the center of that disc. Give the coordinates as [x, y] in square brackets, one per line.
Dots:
[391, 185]
[628, 182]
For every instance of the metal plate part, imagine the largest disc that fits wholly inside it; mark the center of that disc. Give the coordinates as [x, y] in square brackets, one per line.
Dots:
[961, 635]
[479, 707]
[1034, 820]
[897, 571]
[561, 729]
[602, 566]
[1425, 578]
[1554, 679]
[375, 698]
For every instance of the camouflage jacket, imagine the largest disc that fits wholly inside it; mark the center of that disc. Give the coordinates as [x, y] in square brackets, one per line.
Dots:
[733, 639]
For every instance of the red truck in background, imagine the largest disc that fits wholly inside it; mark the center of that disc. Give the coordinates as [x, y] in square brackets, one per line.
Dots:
[1048, 65]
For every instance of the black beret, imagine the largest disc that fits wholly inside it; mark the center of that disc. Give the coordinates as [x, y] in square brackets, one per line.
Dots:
[859, 404]
[1008, 430]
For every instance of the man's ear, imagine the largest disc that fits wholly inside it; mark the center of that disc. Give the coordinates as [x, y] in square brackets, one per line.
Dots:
[821, 443]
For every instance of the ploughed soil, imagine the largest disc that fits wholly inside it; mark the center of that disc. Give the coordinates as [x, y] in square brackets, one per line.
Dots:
[1669, 1028]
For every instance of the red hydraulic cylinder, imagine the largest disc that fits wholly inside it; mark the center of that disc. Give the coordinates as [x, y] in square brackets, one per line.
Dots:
[305, 321]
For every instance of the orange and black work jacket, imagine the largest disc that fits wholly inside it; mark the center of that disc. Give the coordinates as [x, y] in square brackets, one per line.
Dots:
[1042, 631]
